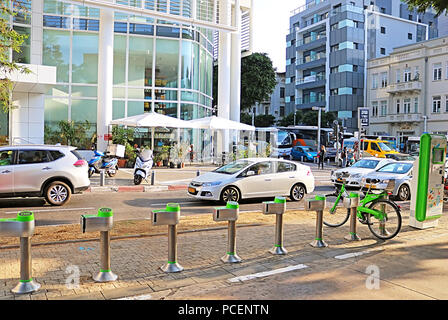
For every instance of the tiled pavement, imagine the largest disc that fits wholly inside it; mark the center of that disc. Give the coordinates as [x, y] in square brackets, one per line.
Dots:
[136, 261]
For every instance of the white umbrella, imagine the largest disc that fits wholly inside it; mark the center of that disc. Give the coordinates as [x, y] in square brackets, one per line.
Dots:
[216, 123]
[153, 120]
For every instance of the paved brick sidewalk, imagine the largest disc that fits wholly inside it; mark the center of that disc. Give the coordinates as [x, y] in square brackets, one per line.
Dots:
[412, 255]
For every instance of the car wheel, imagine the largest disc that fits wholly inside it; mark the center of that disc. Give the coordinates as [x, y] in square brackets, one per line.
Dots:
[298, 191]
[403, 193]
[111, 172]
[230, 194]
[58, 193]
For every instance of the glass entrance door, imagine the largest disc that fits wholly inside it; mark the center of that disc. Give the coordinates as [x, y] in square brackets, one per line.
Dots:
[4, 128]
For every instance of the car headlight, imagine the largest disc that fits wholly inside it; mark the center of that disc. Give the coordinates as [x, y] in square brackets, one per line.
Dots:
[363, 180]
[385, 182]
[212, 184]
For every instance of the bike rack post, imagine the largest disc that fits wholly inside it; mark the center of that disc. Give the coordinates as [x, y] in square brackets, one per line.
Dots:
[317, 204]
[277, 207]
[352, 203]
[103, 222]
[170, 217]
[153, 177]
[23, 227]
[229, 213]
[102, 178]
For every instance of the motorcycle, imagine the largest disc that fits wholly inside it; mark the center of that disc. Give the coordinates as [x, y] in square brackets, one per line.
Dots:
[101, 161]
[143, 163]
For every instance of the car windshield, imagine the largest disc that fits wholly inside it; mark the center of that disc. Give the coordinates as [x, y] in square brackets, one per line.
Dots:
[384, 146]
[364, 163]
[233, 167]
[309, 149]
[400, 168]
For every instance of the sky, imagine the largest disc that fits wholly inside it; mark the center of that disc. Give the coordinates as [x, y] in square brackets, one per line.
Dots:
[271, 25]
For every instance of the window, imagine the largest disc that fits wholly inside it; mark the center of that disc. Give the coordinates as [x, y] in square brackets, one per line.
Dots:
[397, 76]
[6, 157]
[374, 146]
[55, 155]
[410, 36]
[282, 111]
[383, 51]
[383, 10]
[282, 92]
[33, 156]
[410, 17]
[285, 167]
[436, 104]
[374, 80]
[398, 106]
[383, 79]
[262, 168]
[374, 109]
[407, 105]
[416, 73]
[446, 103]
[416, 105]
[383, 108]
[383, 30]
[437, 72]
[407, 74]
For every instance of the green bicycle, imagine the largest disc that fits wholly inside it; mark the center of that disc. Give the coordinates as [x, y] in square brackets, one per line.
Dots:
[380, 214]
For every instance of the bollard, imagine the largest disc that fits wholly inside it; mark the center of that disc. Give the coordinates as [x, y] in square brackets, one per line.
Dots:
[317, 204]
[382, 224]
[229, 213]
[23, 227]
[102, 178]
[170, 216]
[328, 161]
[277, 207]
[301, 159]
[103, 222]
[153, 177]
[353, 203]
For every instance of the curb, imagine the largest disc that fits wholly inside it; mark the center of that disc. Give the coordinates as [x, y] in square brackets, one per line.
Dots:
[129, 188]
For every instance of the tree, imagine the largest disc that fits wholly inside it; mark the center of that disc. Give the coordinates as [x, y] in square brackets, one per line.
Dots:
[9, 40]
[310, 118]
[264, 120]
[289, 119]
[257, 80]
[422, 5]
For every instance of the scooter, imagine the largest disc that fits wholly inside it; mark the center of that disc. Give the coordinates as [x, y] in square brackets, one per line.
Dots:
[143, 164]
[100, 161]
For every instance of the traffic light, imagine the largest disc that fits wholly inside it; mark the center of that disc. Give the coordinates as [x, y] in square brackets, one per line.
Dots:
[335, 129]
[341, 133]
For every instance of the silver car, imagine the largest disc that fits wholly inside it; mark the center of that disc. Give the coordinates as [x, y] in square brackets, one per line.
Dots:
[52, 172]
[400, 172]
[353, 175]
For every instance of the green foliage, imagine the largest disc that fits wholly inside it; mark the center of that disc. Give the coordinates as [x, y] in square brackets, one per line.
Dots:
[260, 121]
[422, 5]
[121, 135]
[129, 152]
[70, 133]
[289, 119]
[310, 118]
[9, 40]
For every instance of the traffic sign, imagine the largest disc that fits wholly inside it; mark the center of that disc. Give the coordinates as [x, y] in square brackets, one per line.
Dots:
[364, 117]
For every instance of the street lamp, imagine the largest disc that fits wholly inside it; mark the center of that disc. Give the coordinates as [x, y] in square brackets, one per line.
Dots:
[318, 125]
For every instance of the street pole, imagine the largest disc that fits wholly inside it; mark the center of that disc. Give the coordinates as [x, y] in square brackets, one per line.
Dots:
[359, 135]
[318, 129]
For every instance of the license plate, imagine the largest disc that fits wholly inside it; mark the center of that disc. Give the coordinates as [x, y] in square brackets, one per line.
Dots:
[339, 180]
[373, 186]
[191, 190]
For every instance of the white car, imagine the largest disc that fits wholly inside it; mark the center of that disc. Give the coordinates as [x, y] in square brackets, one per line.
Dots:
[254, 178]
[353, 175]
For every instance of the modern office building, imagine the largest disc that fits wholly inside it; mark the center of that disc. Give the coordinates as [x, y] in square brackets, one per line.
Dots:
[103, 60]
[328, 46]
[275, 106]
[407, 91]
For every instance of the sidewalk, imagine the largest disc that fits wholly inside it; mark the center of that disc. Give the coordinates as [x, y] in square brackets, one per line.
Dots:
[412, 265]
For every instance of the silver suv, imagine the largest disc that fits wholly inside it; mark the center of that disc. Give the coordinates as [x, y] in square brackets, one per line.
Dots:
[52, 172]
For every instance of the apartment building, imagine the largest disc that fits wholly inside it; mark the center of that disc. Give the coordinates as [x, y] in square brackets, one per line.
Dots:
[331, 40]
[407, 91]
[276, 104]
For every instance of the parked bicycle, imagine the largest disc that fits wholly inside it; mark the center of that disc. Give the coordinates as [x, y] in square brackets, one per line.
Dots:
[375, 210]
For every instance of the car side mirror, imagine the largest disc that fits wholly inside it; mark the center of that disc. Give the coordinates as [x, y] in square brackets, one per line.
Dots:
[250, 173]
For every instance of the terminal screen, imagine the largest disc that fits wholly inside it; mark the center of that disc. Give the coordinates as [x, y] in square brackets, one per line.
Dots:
[438, 155]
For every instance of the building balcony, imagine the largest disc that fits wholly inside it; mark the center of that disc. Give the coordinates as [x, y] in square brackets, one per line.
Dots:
[311, 62]
[313, 81]
[398, 118]
[405, 87]
[319, 42]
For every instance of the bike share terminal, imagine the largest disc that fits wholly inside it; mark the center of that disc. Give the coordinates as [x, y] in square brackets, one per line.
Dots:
[428, 182]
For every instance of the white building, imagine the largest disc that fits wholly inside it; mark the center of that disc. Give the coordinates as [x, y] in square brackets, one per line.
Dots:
[275, 106]
[407, 91]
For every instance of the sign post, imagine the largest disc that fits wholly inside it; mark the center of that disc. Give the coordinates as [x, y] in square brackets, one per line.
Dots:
[363, 121]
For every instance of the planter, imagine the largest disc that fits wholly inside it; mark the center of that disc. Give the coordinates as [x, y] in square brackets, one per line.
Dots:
[165, 163]
[159, 163]
[179, 165]
[172, 165]
[182, 165]
[122, 163]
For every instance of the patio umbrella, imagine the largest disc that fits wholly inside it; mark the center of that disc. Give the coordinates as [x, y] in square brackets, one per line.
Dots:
[216, 123]
[153, 120]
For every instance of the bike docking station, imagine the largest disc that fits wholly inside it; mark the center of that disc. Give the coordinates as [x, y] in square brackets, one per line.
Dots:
[352, 203]
[23, 227]
[277, 207]
[317, 204]
[170, 217]
[427, 182]
[103, 222]
[229, 213]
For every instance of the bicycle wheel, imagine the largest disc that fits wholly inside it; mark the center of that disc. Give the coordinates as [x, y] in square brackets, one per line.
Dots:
[388, 227]
[335, 216]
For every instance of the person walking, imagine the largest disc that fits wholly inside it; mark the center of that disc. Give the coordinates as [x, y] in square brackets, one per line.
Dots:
[321, 157]
[344, 157]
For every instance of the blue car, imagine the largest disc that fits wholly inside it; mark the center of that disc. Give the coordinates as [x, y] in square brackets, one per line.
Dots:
[308, 153]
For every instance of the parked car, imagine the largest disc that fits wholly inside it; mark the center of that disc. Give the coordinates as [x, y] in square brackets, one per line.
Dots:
[400, 172]
[254, 178]
[400, 157]
[353, 175]
[331, 153]
[52, 172]
[308, 153]
[377, 148]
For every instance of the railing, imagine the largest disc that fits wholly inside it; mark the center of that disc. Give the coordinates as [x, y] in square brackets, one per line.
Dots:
[307, 6]
[347, 7]
[320, 55]
[405, 86]
[311, 78]
[310, 39]
[309, 99]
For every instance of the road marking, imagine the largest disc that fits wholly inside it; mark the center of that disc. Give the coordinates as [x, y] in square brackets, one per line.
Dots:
[51, 210]
[163, 204]
[141, 297]
[268, 273]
